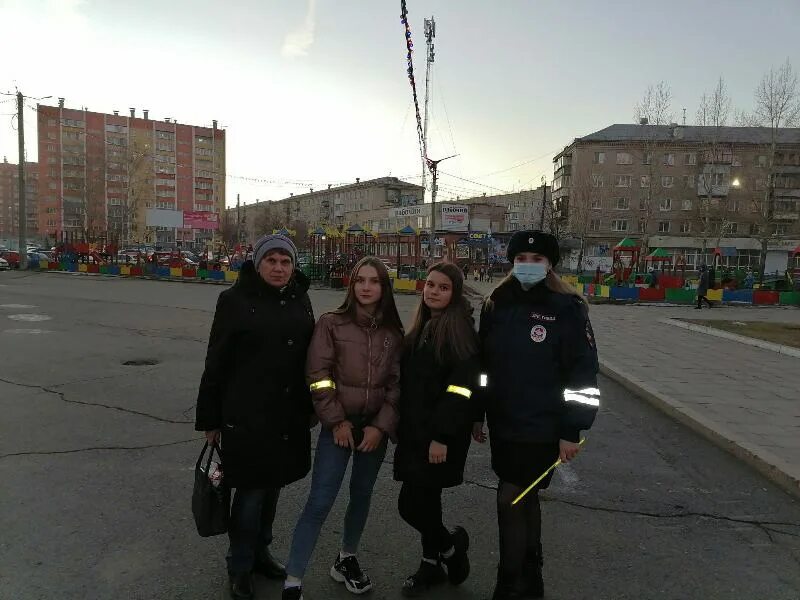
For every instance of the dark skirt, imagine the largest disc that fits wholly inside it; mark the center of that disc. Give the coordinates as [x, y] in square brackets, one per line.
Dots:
[521, 463]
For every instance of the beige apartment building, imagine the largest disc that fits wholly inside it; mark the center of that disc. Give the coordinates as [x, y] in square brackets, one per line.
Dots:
[683, 188]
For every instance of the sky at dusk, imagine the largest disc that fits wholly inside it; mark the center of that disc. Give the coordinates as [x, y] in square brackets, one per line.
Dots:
[313, 92]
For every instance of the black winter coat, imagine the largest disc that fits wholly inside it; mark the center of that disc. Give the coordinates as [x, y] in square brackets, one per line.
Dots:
[253, 387]
[539, 351]
[435, 404]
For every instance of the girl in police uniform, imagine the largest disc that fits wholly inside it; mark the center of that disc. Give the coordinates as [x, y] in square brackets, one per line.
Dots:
[539, 354]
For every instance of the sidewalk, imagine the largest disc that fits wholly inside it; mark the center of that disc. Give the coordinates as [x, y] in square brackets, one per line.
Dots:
[743, 398]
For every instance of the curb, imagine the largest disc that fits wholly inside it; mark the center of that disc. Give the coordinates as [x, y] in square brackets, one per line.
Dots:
[142, 277]
[773, 467]
[742, 339]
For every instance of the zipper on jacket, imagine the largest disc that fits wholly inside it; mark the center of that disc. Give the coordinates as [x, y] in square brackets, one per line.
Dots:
[373, 326]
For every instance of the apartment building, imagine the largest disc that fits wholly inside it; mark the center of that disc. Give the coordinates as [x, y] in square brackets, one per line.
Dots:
[129, 177]
[381, 205]
[684, 188]
[9, 201]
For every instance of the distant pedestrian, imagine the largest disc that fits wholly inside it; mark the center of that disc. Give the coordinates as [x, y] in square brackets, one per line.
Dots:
[702, 288]
[749, 279]
[482, 273]
[475, 273]
[466, 271]
[490, 273]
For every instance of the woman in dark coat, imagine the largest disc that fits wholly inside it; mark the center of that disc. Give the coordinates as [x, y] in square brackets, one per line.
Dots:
[539, 353]
[439, 375]
[253, 392]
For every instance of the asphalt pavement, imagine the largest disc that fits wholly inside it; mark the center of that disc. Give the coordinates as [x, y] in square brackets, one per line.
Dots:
[96, 461]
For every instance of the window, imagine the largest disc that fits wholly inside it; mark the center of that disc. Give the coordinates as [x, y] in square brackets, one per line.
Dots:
[644, 202]
[597, 181]
[163, 147]
[644, 181]
[686, 227]
[663, 226]
[667, 181]
[51, 135]
[733, 204]
[623, 181]
[781, 228]
[596, 203]
[599, 158]
[51, 122]
[624, 158]
[622, 204]
[594, 225]
[619, 225]
[642, 225]
[760, 185]
[733, 228]
[718, 179]
[665, 204]
[690, 158]
[761, 161]
[669, 159]
[647, 158]
[686, 204]
[165, 135]
[51, 185]
[52, 160]
[688, 181]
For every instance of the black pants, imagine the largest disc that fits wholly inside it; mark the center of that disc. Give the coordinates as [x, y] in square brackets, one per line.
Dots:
[421, 507]
[700, 301]
[250, 527]
[520, 529]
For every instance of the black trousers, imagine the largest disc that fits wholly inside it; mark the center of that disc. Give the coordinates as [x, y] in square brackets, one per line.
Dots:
[700, 300]
[250, 527]
[520, 528]
[421, 507]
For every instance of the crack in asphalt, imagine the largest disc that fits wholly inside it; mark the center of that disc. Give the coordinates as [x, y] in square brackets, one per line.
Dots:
[64, 398]
[656, 515]
[96, 448]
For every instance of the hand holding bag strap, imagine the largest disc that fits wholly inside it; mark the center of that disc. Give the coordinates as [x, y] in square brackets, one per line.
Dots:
[210, 455]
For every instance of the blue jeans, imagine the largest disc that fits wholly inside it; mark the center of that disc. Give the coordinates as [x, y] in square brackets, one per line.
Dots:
[250, 527]
[330, 464]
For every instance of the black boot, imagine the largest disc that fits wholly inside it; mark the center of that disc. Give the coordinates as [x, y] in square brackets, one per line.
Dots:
[533, 585]
[427, 576]
[269, 567]
[505, 588]
[458, 563]
[241, 586]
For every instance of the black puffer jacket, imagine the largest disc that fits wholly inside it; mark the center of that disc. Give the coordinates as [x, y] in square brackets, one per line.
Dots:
[540, 355]
[253, 387]
[435, 404]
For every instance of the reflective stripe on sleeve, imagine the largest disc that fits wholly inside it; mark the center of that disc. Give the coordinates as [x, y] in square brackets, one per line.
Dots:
[461, 391]
[322, 385]
[588, 396]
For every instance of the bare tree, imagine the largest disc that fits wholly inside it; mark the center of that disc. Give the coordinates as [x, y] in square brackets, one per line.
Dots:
[777, 106]
[711, 214]
[584, 197]
[655, 105]
[715, 108]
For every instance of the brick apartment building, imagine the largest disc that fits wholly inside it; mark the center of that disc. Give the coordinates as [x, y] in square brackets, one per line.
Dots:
[105, 174]
[9, 201]
[683, 188]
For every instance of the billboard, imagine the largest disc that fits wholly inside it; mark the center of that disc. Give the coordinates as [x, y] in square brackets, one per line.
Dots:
[159, 217]
[200, 220]
[455, 217]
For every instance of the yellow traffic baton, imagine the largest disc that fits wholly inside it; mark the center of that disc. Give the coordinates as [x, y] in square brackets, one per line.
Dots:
[542, 476]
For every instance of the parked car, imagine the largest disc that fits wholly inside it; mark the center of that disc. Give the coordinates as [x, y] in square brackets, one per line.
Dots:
[4, 266]
[11, 257]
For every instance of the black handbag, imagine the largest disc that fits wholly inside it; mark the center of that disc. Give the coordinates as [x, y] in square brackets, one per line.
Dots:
[211, 504]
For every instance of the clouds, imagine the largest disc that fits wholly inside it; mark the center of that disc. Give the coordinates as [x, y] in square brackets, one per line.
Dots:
[297, 42]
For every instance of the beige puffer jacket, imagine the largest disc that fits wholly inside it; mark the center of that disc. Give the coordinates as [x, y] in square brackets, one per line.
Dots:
[353, 369]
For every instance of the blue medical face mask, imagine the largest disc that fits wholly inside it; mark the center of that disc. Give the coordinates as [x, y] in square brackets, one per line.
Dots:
[529, 274]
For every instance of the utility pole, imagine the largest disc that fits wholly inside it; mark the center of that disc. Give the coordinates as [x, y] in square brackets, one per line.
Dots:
[238, 220]
[544, 203]
[430, 33]
[434, 167]
[22, 208]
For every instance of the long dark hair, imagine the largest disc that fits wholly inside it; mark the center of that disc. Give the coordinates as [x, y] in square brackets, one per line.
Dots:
[453, 333]
[386, 313]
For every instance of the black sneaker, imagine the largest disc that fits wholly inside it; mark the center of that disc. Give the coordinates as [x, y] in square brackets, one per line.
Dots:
[241, 586]
[292, 593]
[427, 576]
[348, 571]
[458, 563]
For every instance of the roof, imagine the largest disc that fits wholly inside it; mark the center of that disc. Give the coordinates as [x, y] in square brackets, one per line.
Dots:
[659, 253]
[626, 243]
[690, 133]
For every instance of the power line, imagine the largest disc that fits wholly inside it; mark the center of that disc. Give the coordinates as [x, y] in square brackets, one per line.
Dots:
[476, 183]
[522, 164]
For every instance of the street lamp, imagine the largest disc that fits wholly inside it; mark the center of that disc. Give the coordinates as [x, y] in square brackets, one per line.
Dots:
[736, 183]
